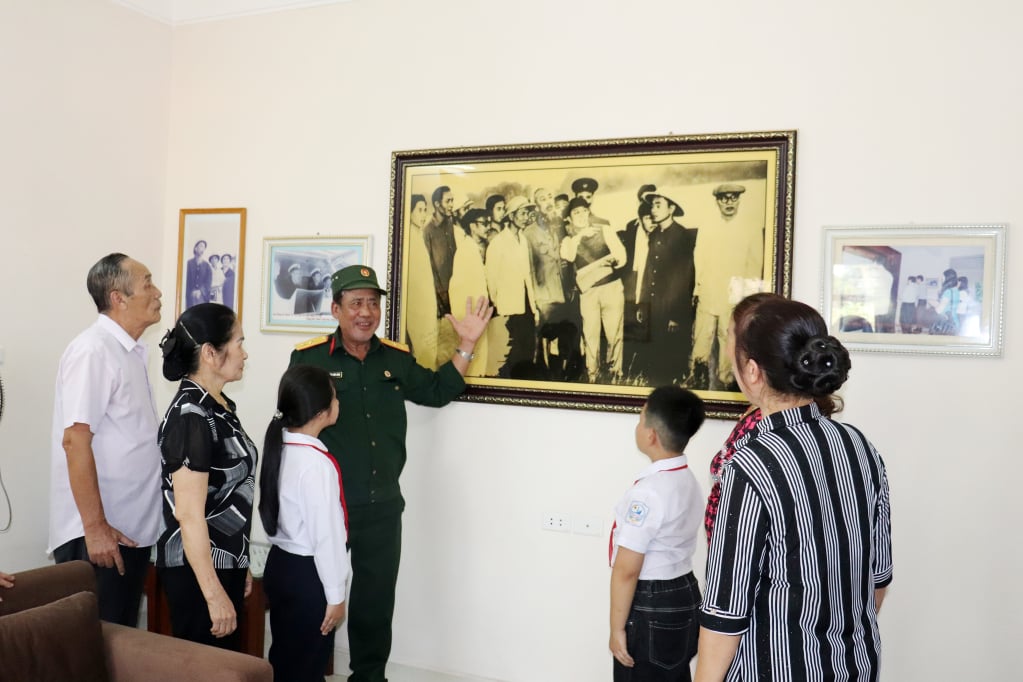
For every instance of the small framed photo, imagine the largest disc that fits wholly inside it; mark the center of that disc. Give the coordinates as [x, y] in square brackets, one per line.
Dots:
[916, 289]
[613, 265]
[211, 258]
[296, 280]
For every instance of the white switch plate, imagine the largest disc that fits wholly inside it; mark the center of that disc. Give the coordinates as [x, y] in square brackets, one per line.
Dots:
[588, 525]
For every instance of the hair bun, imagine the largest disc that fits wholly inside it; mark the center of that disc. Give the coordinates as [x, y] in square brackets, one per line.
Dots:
[177, 354]
[168, 343]
[822, 366]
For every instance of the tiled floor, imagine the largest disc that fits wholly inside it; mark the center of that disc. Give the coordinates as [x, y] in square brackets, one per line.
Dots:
[401, 673]
[395, 672]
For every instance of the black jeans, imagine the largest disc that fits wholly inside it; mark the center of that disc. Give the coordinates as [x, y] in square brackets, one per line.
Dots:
[662, 631]
[119, 595]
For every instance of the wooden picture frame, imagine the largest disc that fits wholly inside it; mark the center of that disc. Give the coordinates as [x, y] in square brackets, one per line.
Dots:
[210, 234]
[556, 359]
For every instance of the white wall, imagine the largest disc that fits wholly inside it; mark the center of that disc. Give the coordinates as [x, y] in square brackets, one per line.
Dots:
[906, 112]
[83, 151]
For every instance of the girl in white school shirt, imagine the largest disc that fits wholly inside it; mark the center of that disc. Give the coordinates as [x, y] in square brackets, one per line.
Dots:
[303, 512]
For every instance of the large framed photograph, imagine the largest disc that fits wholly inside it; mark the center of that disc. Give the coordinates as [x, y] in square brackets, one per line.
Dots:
[613, 265]
[296, 280]
[211, 258]
[916, 289]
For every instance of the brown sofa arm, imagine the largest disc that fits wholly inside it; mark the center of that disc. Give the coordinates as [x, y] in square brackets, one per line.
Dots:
[46, 584]
[133, 655]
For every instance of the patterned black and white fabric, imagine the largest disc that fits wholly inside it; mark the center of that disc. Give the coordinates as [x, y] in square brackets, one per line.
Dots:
[197, 432]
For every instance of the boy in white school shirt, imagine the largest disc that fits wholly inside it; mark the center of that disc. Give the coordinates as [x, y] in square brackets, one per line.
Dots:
[654, 595]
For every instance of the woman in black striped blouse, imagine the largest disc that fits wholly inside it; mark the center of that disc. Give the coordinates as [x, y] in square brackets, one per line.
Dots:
[801, 552]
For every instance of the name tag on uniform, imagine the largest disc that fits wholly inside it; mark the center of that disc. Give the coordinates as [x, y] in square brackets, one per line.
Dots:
[335, 375]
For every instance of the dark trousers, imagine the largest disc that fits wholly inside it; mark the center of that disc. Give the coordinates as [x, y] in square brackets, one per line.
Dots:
[189, 614]
[299, 652]
[374, 536]
[669, 352]
[119, 595]
[662, 631]
[907, 317]
[560, 322]
[521, 347]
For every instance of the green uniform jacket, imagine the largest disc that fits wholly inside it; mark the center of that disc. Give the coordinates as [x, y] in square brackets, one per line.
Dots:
[368, 439]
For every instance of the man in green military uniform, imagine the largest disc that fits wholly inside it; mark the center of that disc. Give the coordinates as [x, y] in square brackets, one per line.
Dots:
[373, 378]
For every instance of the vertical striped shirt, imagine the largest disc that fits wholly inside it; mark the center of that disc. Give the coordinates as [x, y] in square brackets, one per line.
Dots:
[803, 538]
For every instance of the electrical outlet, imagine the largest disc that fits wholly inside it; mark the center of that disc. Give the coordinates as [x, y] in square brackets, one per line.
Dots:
[587, 525]
[556, 521]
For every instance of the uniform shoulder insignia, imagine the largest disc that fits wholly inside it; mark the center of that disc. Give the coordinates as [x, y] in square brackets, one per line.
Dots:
[309, 343]
[637, 513]
[394, 344]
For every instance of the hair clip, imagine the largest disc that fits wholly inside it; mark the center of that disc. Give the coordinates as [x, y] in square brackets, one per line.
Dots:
[278, 414]
[168, 342]
[187, 333]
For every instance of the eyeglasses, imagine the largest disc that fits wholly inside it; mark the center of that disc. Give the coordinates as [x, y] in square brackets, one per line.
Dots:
[729, 198]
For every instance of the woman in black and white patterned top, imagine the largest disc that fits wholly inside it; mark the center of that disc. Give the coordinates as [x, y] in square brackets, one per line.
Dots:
[800, 557]
[209, 466]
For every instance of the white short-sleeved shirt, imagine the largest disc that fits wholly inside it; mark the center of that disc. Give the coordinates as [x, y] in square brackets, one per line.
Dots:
[102, 381]
[659, 517]
[311, 521]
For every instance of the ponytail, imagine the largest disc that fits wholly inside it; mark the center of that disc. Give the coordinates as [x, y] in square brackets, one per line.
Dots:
[270, 474]
[304, 392]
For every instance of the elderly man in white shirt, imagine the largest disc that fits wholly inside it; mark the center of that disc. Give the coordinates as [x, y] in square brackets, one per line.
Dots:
[105, 463]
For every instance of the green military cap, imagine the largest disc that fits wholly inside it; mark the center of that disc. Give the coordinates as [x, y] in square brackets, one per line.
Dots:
[355, 277]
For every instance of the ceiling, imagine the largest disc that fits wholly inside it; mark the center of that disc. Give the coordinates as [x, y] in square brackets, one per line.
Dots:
[175, 12]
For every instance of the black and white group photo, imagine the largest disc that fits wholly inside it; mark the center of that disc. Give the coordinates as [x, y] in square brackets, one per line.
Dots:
[210, 257]
[616, 274]
[301, 283]
[210, 277]
[296, 280]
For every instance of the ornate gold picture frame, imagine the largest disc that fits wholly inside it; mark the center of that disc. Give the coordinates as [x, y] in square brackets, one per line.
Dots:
[612, 264]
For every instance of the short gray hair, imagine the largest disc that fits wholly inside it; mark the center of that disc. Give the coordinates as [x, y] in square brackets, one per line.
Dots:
[106, 276]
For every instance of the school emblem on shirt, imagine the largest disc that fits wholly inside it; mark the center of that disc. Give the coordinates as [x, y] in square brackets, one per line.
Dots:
[335, 375]
[637, 514]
